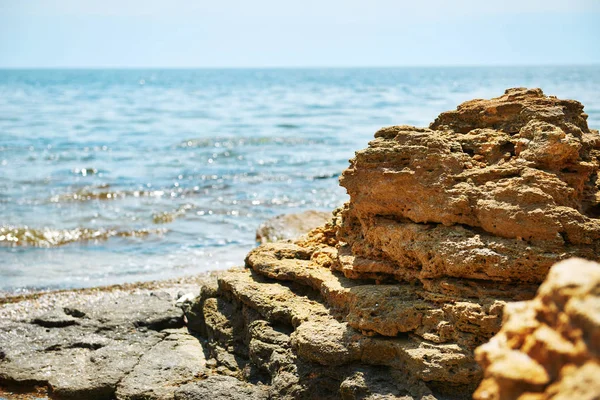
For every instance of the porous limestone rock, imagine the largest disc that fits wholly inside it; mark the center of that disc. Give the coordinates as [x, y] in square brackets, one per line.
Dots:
[444, 226]
[498, 190]
[283, 335]
[549, 347]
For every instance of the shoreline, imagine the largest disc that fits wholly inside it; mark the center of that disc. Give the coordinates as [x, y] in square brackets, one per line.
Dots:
[7, 297]
[283, 226]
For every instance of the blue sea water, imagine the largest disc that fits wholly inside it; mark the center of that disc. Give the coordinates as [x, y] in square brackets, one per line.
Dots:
[112, 176]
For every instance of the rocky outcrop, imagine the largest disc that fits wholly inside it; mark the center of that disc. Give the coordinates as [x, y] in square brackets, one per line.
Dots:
[444, 226]
[549, 347]
[108, 343]
[498, 190]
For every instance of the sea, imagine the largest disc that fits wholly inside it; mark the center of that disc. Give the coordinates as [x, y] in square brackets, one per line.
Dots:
[113, 176]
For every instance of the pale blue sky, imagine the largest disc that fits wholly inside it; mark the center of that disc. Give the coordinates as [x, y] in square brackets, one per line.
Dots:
[274, 33]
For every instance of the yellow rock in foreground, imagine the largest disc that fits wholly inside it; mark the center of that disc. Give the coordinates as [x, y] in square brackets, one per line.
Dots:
[549, 347]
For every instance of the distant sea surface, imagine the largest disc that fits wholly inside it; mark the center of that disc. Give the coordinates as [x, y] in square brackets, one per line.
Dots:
[112, 176]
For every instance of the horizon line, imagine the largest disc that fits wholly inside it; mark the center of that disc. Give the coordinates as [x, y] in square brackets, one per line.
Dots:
[593, 64]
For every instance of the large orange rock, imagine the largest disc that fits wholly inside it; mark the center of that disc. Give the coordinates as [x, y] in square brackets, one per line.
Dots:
[498, 190]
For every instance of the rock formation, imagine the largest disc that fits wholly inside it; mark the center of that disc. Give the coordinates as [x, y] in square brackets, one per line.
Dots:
[443, 227]
[548, 347]
[498, 190]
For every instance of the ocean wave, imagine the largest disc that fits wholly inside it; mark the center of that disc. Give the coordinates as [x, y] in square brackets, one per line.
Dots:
[88, 194]
[166, 217]
[229, 142]
[46, 237]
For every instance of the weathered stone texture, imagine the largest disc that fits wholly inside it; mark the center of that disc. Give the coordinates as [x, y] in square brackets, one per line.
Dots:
[549, 347]
[497, 190]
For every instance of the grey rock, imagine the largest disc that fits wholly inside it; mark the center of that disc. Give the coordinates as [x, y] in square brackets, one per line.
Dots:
[175, 360]
[218, 387]
[154, 311]
[76, 362]
[290, 226]
[89, 350]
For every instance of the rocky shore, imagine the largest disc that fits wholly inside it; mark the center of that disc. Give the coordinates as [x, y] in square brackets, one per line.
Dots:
[93, 343]
[446, 228]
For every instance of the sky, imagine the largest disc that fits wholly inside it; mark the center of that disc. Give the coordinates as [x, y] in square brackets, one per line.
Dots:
[307, 33]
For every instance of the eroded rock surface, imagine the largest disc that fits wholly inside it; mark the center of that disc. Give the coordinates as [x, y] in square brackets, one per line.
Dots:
[498, 190]
[444, 226]
[549, 347]
[86, 351]
[104, 344]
